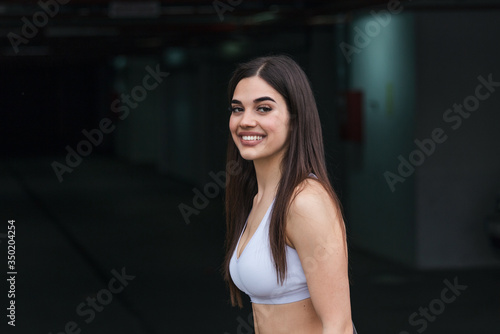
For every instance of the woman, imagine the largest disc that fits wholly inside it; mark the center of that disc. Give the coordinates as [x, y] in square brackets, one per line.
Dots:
[286, 241]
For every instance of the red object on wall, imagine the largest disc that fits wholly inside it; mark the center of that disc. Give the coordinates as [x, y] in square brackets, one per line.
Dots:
[351, 125]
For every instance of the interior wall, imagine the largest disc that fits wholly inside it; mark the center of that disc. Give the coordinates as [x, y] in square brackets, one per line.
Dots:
[382, 67]
[457, 185]
[137, 133]
[195, 118]
[321, 71]
[181, 140]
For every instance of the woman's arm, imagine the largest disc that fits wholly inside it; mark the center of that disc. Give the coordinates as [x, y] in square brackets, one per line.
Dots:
[315, 230]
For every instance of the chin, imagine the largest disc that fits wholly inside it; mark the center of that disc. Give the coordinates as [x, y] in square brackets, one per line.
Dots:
[249, 157]
[249, 154]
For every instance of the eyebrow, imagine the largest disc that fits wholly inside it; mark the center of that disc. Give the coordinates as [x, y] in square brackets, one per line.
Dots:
[260, 99]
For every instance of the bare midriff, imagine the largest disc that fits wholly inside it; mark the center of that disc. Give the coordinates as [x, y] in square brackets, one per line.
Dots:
[298, 317]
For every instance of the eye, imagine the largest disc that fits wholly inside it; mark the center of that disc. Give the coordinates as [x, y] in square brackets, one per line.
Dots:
[235, 109]
[264, 109]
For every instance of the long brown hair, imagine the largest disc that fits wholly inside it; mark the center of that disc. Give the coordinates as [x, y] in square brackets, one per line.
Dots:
[304, 155]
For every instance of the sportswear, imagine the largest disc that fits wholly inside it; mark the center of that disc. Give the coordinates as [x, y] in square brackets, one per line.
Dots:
[254, 272]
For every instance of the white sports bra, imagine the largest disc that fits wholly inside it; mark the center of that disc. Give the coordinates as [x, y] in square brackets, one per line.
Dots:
[254, 272]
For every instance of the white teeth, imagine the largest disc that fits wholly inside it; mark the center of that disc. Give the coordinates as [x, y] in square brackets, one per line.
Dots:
[252, 137]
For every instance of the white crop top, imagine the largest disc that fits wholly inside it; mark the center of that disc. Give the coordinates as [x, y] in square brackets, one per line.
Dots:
[254, 272]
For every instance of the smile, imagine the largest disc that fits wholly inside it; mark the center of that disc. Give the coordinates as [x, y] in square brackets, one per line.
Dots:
[249, 138]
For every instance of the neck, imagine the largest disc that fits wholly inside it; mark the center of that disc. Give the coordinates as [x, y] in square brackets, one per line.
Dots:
[268, 175]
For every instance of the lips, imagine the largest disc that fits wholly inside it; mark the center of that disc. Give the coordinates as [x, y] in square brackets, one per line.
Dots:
[250, 138]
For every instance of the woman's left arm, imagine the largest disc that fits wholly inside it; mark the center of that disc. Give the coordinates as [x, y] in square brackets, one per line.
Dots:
[315, 230]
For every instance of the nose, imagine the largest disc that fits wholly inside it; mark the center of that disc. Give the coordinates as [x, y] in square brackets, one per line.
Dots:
[248, 120]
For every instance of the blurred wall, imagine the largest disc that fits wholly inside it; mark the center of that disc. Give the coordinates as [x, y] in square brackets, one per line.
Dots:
[457, 185]
[137, 134]
[443, 164]
[383, 69]
[196, 115]
[322, 72]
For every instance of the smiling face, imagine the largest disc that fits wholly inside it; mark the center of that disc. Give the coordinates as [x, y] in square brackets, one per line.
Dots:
[259, 120]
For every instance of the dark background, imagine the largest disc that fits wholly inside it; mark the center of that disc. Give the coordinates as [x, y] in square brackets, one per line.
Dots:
[384, 82]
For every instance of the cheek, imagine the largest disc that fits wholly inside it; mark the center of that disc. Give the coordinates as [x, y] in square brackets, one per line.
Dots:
[232, 124]
[279, 127]
[233, 128]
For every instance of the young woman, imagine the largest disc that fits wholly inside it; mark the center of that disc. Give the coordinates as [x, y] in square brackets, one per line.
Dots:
[286, 241]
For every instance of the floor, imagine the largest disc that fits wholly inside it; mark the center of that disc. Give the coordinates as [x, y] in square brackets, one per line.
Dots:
[107, 251]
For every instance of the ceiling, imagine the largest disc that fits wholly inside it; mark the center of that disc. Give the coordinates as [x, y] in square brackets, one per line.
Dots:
[96, 27]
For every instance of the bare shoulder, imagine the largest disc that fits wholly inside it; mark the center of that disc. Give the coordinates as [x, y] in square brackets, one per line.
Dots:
[311, 199]
[312, 213]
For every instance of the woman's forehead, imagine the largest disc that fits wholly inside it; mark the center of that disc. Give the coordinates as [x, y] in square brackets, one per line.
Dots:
[249, 89]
